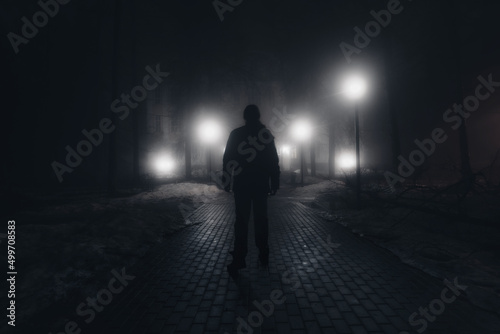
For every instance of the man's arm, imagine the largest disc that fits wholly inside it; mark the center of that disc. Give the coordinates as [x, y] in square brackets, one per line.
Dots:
[274, 170]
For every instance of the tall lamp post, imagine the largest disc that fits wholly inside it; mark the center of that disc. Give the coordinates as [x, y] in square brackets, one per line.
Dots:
[209, 132]
[301, 130]
[355, 89]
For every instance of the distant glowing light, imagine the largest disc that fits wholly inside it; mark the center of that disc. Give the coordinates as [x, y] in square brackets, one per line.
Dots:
[209, 131]
[355, 87]
[347, 161]
[286, 150]
[301, 130]
[164, 164]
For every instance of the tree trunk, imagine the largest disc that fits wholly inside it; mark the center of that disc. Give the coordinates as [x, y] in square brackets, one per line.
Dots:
[313, 158]
[389, 42]
[455, 15]
[186, 106]
[187, 154]
[331, 149]
[115, 92]
[137, 114]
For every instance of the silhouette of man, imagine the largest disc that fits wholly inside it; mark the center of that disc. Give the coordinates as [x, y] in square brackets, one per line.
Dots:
[251, 158]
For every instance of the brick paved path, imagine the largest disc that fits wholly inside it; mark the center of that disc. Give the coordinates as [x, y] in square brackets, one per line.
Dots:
[331, 280]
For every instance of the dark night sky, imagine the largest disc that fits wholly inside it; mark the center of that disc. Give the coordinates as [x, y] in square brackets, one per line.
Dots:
[62, 80]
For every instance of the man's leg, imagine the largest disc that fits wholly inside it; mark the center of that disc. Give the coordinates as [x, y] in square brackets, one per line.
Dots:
[243, 204]
[261, 226]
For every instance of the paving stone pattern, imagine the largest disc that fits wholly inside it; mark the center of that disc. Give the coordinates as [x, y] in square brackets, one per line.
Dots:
[328, 280]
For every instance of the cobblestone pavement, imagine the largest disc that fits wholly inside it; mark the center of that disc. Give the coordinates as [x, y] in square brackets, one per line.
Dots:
[321, 279]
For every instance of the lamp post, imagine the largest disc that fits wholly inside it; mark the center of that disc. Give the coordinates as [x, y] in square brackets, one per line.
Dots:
[355, 89]
[358, 167]
[301, 130]
[209, 169]
[209, 132]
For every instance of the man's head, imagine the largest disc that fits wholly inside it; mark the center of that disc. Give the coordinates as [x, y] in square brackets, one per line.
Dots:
[251, 114]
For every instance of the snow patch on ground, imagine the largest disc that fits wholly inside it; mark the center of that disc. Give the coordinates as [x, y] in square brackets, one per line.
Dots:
[70, 246]
[441, 247]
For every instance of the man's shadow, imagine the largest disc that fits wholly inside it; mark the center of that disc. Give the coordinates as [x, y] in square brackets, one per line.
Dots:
[242, 280]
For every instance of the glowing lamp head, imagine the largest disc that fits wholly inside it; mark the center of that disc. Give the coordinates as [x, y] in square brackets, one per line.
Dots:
[355, 87]
[164, 164]
[286, 150]
[301, 130]
[209, 132]
[347, 161]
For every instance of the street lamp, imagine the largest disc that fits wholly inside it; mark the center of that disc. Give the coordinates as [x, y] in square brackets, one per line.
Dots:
[355, 89]
[209, 131]
[347, 161]
[164, 164]
[302, 131]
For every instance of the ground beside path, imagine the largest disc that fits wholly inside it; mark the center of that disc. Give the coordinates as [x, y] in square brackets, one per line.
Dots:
[321, 279]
